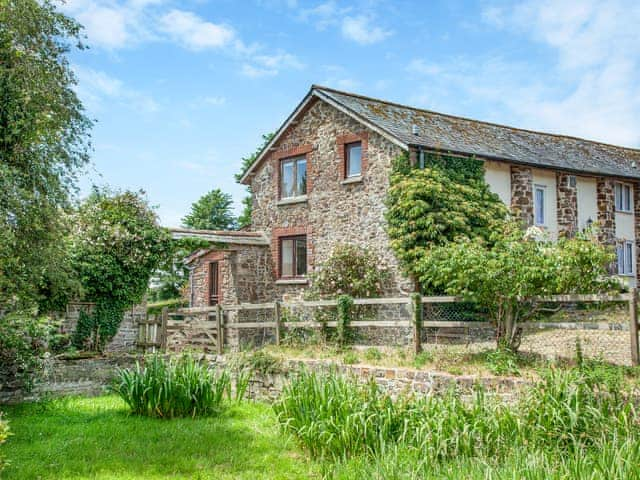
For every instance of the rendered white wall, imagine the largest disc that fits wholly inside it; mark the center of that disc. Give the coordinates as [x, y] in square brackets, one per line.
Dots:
[498, 176]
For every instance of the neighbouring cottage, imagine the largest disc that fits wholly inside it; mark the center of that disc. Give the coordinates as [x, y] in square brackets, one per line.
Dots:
[323, 178]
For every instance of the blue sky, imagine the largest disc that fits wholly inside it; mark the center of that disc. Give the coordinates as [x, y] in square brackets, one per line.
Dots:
[181, 90]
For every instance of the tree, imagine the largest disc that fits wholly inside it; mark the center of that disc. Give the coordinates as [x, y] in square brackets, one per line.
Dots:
[507, 275]
[244, 220]
[212, 211]
[44, 141]
[444, 202]
[116, 246]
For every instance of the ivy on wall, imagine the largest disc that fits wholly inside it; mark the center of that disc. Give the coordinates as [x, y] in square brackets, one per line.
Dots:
[117, 245]
[445, 201]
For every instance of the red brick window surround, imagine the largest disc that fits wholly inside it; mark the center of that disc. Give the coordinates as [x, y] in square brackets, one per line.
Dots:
[285, 233]
[296, 163]
[293, 257]
[344, 146]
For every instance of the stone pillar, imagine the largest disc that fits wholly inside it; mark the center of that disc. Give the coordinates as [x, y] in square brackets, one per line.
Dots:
[567, 204]
[606, 211]
[522, 194]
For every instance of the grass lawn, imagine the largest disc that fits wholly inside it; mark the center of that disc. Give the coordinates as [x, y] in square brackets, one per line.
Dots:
[95, 438]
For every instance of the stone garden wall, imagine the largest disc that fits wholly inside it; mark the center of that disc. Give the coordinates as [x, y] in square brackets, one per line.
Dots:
[92, 376]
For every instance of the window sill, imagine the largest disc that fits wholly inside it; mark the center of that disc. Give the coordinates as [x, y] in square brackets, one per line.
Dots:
[625, 212]
[292, 200]
[292, 281]
[349, 180]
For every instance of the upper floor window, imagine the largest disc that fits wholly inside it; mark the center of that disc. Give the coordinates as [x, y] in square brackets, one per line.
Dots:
[293, 177]
[293, 257]
[539, 193]
[623, 197]
[624, 253]
[353, 159]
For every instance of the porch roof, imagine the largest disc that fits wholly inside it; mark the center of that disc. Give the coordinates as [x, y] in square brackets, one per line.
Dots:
[232, 237]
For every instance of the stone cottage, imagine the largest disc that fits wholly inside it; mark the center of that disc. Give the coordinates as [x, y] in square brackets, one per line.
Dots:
[322, 181]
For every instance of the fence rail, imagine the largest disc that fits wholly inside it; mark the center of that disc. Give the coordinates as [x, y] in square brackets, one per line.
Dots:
[207, 327]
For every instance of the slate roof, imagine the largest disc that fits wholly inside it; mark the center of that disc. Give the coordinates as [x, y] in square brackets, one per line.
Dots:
[488, 140]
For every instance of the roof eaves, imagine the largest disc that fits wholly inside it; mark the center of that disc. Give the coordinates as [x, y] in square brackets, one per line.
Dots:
[482, 156]
[316, 91]
[244, 179]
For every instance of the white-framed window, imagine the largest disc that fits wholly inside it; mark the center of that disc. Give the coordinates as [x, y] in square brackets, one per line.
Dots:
[539, 201]
[623, 197]
[293, 177]
[353, 159]
[624, 252]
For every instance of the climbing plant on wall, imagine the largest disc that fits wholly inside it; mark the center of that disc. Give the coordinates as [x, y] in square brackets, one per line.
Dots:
[445, 201]
[116, 246]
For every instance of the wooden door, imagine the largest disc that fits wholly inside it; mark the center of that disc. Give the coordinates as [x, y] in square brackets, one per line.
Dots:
[214, 283]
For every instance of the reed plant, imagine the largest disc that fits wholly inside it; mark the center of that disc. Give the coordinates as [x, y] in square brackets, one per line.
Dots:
[182, 387]
[569, 413]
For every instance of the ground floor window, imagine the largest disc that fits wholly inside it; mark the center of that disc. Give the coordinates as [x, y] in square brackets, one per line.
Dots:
[293, 256]
[625, 258]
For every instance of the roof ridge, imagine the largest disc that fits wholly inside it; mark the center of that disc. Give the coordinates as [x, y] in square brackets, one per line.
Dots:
[459, 117]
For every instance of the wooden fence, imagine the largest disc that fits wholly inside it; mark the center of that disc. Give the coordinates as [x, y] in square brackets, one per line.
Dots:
[205, 327]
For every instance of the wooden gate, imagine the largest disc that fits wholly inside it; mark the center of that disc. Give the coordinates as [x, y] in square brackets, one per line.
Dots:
[189, 328]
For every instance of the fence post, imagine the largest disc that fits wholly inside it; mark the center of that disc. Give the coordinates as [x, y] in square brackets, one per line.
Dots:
[416, 316]
[163, 328]
[633, 326]
[276, 312]
[219, 329]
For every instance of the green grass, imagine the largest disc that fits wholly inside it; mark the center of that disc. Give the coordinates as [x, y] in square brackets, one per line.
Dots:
[95, 438]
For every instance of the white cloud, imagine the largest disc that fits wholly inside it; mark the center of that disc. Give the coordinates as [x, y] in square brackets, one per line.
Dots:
[95, 88]
[420, 66]
[361, 30]
[264, 65]
[214, 100]
[324, 14]
[113, 25]
[193, 32]
[589, 85]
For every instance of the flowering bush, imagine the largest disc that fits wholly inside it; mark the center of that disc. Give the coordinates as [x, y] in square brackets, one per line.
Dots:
[350, 270]
[117, 245]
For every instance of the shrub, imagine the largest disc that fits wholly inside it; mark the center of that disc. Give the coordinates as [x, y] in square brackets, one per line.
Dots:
[4, 434]
[175, 388]
[373, 354]
[23, 342]
[422, 358]
[350, 270]
[350, 357]
[502, 361]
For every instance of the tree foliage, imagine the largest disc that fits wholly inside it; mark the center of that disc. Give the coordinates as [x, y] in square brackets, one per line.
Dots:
[507, 275]
[43, 143]
[212, 211]
[444, 202]
[244, 220]
[116, 246]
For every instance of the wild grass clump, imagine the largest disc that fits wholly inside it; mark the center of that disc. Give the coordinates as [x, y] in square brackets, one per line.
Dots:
[569, 413]
[183, 387]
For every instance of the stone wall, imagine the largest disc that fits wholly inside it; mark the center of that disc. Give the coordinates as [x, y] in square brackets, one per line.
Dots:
[83, 376]
[124, 340]
[567, 204]
[522, 193]
[93, 376]
[334, 212]
[606, 211]
[244, 275]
